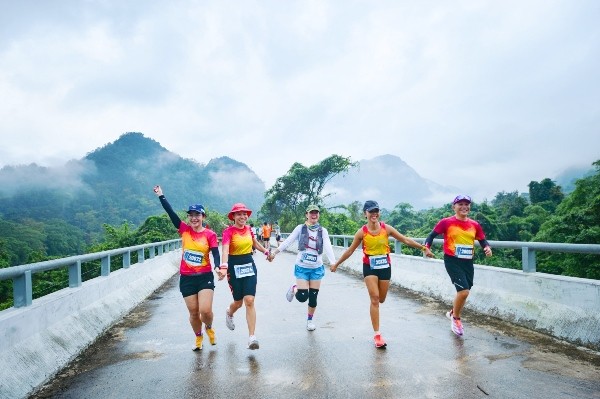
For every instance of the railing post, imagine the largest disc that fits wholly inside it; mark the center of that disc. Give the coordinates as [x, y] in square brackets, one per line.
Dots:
[22, 290]
[397, 247]
[161, 249]
[126, 260]
[152, 250]
[105, 266]
[528, 260]
[75, 275]
[140, 256]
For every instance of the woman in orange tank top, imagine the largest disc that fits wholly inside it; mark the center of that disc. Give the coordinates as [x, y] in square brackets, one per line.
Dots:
[374, 237]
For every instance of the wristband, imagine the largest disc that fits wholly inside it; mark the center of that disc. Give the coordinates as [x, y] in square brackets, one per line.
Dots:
[223, 266]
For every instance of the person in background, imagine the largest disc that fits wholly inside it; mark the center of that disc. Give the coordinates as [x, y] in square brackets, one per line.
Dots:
[277, 231]
[253, 230]
[377, 272]
[240, 269]
[460, 233]
[313, 240]
[196, 280]
[266, 235]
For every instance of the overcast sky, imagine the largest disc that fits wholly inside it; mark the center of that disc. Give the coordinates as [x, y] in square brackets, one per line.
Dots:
[482, 95]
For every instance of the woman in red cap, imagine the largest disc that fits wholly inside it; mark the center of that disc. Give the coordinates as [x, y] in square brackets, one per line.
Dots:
[197, 281]
[238, 265]
[374, 237]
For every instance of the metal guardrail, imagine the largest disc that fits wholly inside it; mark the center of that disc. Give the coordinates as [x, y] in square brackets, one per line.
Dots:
[22, 275]
[528, 249]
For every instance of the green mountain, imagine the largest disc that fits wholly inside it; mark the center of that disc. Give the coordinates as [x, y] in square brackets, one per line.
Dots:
[113, 184]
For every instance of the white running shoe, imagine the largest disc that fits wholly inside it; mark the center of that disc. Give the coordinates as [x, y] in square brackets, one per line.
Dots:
[229, 320]
[290, 293]
[310, 326]
[252, 342]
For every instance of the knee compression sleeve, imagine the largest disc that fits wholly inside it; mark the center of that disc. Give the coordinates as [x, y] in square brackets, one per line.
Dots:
[302, 295]
[312, 297]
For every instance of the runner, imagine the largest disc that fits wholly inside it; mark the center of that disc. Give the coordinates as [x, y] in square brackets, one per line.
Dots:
[312, 240]
[266, 235]
[277, 231]
[238, 265]
[374, 237]
[196, 280]
[460, 233]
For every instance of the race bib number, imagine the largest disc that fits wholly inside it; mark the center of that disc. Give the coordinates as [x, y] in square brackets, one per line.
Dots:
[309, 258]
[379, 262]
[464, 251]
[242, 271]
[193, 258]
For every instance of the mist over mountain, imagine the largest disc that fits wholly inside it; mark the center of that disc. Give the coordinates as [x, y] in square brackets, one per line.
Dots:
[113, 184]
[390, 181]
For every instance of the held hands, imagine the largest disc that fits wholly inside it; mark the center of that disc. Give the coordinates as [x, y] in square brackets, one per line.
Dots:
[333, 267]
[222, 272]
[427, 252]
[488, 251]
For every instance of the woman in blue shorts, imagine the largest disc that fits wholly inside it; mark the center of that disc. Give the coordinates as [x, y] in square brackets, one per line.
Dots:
[313, 240]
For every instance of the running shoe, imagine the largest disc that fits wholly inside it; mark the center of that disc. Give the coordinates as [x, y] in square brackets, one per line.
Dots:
[457, 327]
[229, 320]
[379, 341]
[252, 343]
[198, 342]
[450, 314]
[211, 336]
[310, 326]
[290, 293]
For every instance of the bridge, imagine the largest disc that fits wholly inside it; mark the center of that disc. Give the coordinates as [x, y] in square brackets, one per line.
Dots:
[136, 323]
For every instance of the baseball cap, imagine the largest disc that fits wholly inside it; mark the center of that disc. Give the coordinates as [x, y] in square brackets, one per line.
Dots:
[461, 197]
[312, 207]
[196, 208]
[370, 205]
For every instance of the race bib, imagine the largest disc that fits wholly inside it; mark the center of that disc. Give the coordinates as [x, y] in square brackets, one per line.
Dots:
[193, 258]
[242, 271]
[378, 262]
[310, 259]
[464, 251]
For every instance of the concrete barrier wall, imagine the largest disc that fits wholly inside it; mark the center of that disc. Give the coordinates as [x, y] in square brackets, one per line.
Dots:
[567, 308]
[39, 340]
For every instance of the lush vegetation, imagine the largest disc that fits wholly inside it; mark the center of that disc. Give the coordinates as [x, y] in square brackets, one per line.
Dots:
[543, 214]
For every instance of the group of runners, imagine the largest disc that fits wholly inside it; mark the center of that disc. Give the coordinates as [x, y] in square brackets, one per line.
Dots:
[239, 243]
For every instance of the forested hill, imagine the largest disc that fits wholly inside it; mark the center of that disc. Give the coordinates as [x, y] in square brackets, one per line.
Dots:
[113, 184]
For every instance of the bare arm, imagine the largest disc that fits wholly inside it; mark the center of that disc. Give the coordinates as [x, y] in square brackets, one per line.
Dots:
[358, 237]
[408, 241]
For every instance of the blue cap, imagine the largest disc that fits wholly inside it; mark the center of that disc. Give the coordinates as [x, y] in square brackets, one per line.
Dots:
[197, 208]
[370, 205]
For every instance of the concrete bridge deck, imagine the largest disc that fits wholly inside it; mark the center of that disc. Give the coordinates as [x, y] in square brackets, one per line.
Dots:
[148, 354]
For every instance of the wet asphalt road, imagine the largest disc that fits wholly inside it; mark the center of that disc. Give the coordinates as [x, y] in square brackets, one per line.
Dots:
[148, 354]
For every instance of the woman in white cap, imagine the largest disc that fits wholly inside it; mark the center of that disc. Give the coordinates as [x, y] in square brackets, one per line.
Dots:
[238, 265]
[196, 281]
[313, 240]
[374, 237]
[460, 233]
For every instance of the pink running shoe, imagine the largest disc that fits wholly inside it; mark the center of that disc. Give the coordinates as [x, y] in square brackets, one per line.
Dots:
[379, 341]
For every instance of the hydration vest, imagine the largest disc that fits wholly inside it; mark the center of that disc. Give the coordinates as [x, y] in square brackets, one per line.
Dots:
[303, 239]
